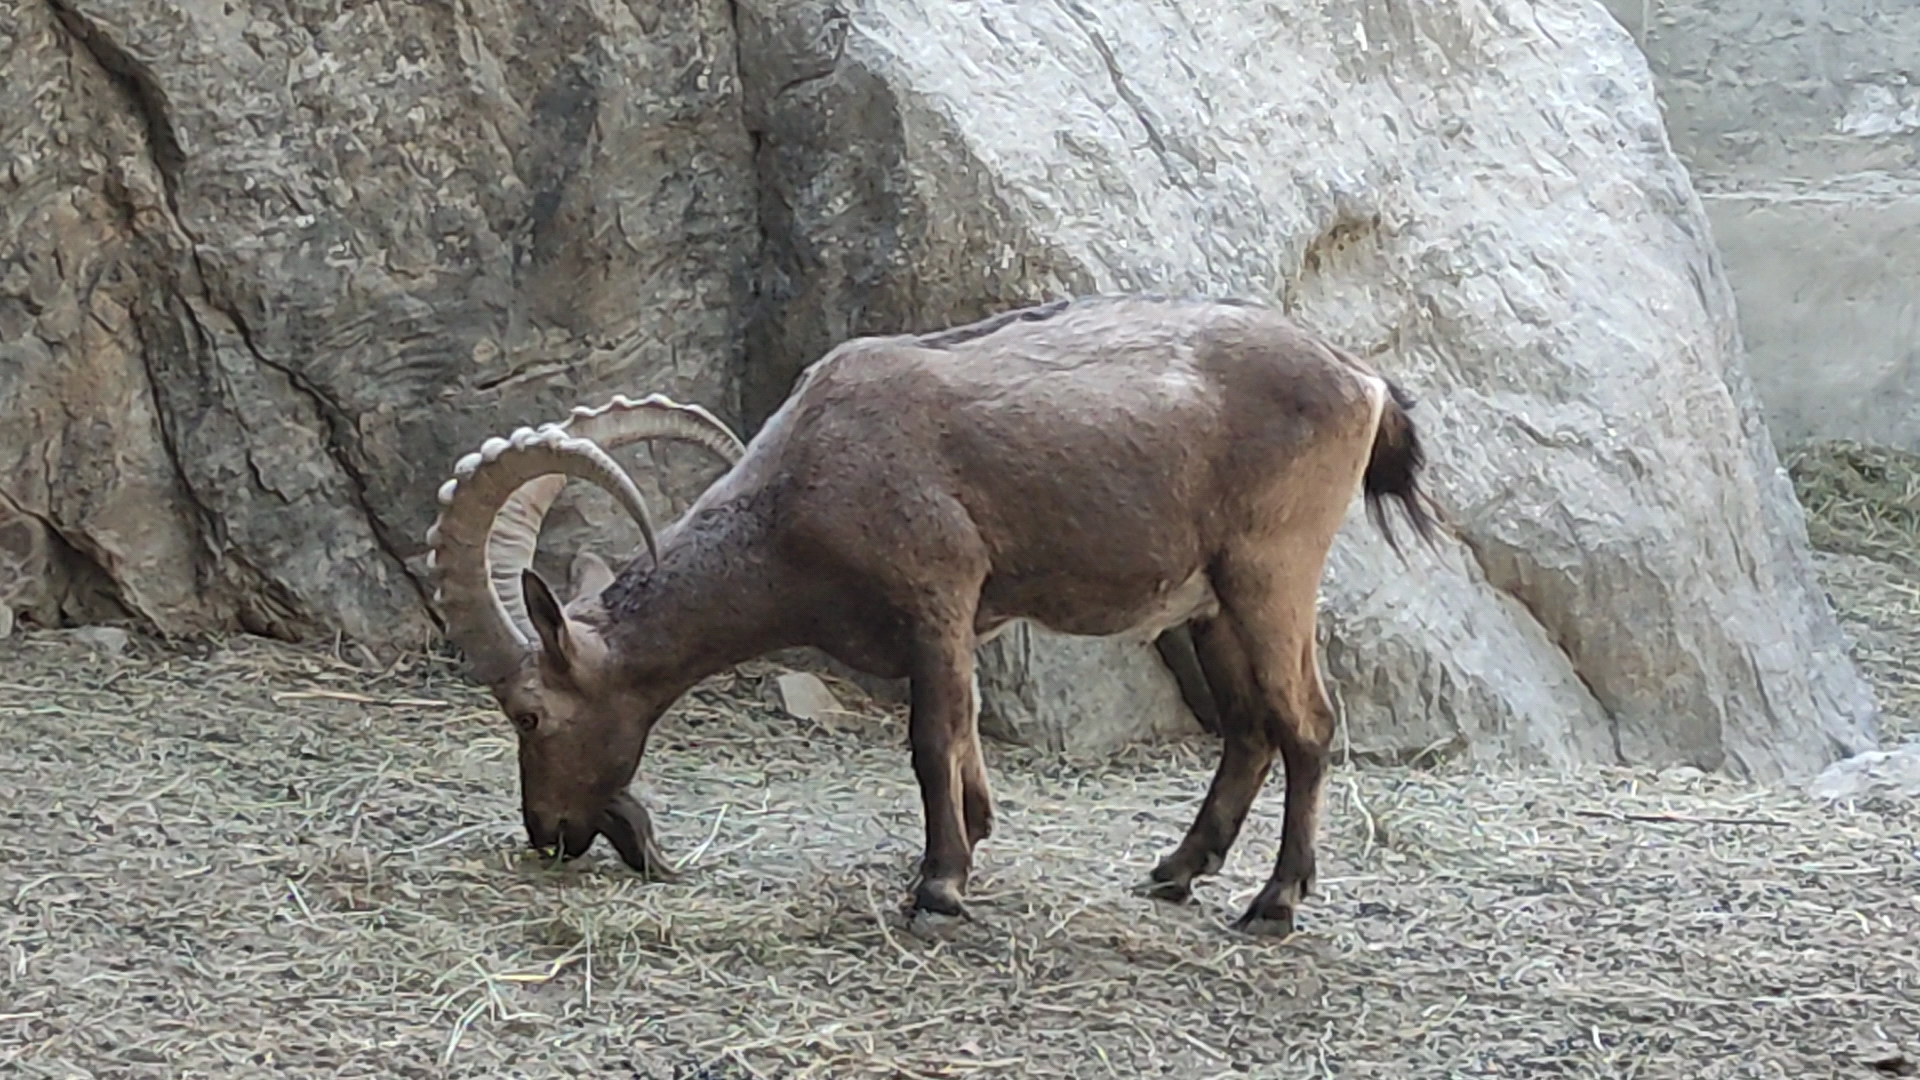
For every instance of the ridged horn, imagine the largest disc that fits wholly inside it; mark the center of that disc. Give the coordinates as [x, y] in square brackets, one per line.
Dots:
[458, 555]
[618, 423]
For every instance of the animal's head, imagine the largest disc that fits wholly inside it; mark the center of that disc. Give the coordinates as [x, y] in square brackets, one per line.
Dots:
[579, 707]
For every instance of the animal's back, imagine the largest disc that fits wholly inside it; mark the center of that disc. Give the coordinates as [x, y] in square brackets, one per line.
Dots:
[1102, 448]
[1117, 383]
[1146, 368]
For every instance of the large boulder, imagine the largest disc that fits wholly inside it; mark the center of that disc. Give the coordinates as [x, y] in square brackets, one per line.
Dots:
[266, 271]
[1479, 196]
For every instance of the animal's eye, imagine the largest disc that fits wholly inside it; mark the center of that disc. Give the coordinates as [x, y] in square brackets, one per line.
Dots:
[526, 721]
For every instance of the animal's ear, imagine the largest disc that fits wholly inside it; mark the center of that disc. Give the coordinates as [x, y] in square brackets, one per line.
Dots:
[548, 621]
[589, 575]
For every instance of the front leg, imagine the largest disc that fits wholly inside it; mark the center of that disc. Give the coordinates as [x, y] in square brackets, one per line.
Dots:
[940, 728]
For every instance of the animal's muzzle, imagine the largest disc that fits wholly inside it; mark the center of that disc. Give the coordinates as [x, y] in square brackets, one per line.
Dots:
[572, 837]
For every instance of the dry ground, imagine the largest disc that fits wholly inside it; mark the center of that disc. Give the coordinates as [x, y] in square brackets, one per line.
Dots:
[212, 870]
[261, 861]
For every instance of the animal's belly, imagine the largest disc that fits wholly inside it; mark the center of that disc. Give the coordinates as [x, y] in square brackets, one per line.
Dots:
[1139, 614]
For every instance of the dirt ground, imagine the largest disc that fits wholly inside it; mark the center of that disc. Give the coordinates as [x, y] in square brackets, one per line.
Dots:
[261, 861]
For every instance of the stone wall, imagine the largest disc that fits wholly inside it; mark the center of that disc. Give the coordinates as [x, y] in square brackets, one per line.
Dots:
[1800, 123]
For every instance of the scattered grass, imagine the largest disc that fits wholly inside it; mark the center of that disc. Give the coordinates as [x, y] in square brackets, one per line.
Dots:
[263, 860]
[1863, 518]
[1860, 500]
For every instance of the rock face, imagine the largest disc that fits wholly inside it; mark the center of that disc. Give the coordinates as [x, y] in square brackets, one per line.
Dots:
[1482, 197]
[24, 569]
[265, 274]
[1806, 153]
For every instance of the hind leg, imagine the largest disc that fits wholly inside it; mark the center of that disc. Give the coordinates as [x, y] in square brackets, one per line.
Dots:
[1246, 756]
[1281, 651]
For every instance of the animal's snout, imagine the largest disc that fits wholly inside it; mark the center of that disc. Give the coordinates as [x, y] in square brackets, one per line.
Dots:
[570, 833]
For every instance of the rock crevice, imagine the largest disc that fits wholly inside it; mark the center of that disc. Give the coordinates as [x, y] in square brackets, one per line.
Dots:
[143, 95]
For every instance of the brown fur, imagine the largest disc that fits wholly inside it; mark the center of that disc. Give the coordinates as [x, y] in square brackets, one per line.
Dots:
[1111, 465]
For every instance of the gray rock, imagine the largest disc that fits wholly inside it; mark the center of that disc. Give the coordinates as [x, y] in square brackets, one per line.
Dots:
[1487, 205]
[266, 273]
[1893, 772]
[111, 640]
[23, 565]
[805, 697]
[1076, 694]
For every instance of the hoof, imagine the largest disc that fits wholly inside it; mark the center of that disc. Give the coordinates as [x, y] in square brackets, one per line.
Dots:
[1172, 880]
[939, 896]
[1172, 892]
[1276, 922]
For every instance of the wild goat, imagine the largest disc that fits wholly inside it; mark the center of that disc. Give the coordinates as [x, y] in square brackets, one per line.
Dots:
[1101, 466]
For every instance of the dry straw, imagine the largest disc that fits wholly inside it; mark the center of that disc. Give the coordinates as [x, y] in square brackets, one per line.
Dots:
[1863, 516]
[261, 860]
[1860, 500]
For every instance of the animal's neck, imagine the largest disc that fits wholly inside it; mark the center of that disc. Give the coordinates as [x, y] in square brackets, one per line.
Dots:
[711, 603]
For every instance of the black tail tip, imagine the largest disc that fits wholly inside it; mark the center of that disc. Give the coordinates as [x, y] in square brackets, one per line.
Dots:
[1393, 472]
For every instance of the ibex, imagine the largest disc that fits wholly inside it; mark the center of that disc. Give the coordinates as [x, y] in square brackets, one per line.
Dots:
[1101, 466]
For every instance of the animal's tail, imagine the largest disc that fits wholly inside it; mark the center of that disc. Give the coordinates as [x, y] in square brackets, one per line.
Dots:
[1393, 471]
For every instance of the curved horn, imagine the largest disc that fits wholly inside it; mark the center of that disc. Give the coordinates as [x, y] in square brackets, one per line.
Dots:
[516, 529]
[457, 544]
[655, 416]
